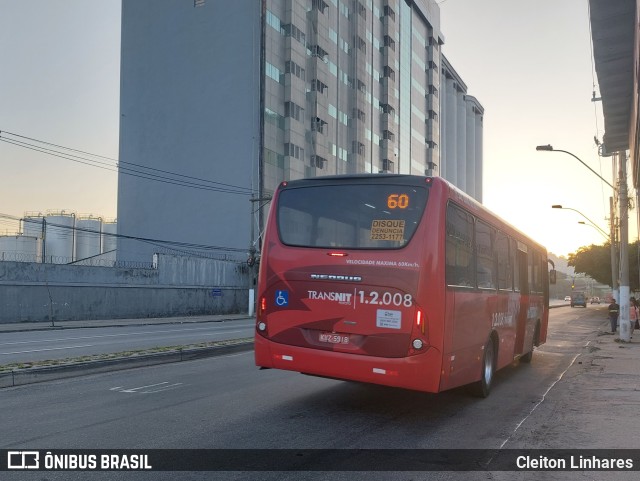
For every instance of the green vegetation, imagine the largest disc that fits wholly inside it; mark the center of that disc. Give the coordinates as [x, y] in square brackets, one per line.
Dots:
[595, 261]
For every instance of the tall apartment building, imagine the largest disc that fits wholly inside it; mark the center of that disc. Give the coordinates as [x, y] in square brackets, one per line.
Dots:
[248, 93]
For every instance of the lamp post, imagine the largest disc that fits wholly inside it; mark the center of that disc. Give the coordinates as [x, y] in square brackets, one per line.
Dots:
[623, 273]
[557, 206]
[603, 233]
[549, 148]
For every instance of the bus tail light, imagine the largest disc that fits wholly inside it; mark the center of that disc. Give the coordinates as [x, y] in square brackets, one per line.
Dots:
[420, 321]
[263, 306]
[418, 342]
[261, 324]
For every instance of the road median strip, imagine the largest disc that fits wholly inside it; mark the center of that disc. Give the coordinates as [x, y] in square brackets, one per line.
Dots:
[20, 373]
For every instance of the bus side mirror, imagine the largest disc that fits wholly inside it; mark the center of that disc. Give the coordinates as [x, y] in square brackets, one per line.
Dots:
[552, 276]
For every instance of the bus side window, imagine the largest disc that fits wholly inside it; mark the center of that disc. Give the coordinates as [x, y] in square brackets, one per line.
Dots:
[460, 263]
[515, 266]
[486, 259]
[505, 264]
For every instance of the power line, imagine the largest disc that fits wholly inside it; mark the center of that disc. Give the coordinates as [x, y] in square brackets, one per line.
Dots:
[120, 166]
[114, 168]
[123, 162]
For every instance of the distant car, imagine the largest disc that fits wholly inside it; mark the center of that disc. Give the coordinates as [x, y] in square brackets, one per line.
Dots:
[567, 298]
[595, 300]
[578, 299]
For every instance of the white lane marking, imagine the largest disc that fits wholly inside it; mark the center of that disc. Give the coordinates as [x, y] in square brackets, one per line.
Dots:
[144, 387]
[42, 350]
[544, 396]
[165, 388]
[119, 335]
[158, 387]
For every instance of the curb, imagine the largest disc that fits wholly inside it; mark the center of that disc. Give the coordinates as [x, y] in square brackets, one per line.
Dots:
[20, 377]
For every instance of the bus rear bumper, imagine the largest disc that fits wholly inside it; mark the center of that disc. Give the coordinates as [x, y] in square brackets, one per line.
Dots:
[420, 372]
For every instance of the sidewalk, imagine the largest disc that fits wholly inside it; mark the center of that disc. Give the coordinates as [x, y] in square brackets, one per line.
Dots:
[592, 405]
[58, 325]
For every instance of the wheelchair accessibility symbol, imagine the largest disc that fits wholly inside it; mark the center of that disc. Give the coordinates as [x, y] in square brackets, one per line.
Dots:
[282, 298]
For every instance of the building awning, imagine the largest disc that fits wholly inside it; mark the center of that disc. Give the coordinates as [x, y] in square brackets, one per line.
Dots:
[613, 32]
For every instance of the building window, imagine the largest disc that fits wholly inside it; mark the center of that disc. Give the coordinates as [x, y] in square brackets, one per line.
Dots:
[318, 162]
[388, 12]
[292, 150]
[292, 110]
[273, 21]
[433, 115]
[362, 10]
[389, 42]
[388, 135]
[273, 118]
[318, 86]
[357, 147]
[317, 125]
[387, 109]
[433, 90]
[295, 69]
[388, 72]
[387, 165]
[359, 114]
[343, 118]
[318, 5]
[274, 73]
[317, 51]
[290, 30]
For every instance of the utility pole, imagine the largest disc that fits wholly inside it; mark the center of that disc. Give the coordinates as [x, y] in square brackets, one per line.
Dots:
[623, 319]
[254, 248]
[615, 273]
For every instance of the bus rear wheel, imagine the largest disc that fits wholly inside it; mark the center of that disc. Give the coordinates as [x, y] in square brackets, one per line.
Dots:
[482, 387]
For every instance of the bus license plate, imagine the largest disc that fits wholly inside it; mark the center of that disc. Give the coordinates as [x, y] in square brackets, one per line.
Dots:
[333, 338]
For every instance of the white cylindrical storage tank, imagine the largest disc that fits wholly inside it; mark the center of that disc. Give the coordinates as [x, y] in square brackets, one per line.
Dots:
[109, 239]
[19, 248]
[32, 224]
[59, 237]
[88, 232]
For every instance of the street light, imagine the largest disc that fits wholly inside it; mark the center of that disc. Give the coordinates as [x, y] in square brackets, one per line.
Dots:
[596, 227]
[549, 148]
[624, 238]
[557, 206]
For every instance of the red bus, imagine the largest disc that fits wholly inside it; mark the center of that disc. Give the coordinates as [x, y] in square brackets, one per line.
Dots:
[396, 280]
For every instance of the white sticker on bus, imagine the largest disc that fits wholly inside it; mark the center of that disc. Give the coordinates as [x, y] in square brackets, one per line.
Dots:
[389, 319]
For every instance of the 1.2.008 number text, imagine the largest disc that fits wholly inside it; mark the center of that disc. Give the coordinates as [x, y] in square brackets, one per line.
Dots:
[386, 298]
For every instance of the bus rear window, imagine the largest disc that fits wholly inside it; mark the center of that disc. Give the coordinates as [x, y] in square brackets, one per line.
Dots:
[350, 216]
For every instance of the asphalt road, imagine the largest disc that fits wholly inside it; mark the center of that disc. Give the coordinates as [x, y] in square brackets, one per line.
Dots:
[46, 345]
[226, 402]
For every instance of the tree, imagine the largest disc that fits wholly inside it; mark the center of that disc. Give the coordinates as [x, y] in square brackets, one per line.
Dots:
[595, 261]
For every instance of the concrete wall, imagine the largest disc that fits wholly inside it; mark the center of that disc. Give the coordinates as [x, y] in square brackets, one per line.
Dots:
[176, 286]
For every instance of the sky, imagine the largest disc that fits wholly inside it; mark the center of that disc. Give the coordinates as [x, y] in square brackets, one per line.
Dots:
[528, 63]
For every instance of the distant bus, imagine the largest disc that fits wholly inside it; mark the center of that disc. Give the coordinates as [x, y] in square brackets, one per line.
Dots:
[396, 280]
